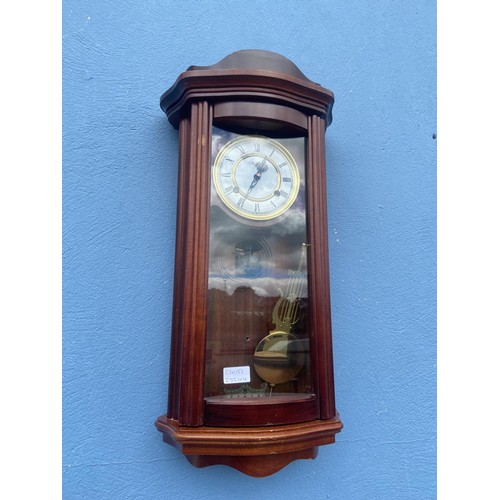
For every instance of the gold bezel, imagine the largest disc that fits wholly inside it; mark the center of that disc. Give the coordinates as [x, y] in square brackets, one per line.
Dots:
[292, 196]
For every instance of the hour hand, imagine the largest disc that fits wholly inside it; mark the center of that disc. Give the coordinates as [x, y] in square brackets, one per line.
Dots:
[261, 167]
[256, 178]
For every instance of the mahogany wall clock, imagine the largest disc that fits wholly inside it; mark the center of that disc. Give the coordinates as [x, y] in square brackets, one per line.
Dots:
[251, 370]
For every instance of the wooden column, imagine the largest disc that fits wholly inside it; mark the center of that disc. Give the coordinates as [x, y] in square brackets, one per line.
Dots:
[321, 327]
[187, 363]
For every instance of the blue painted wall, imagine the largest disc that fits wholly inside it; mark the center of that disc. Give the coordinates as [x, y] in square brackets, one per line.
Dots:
[120, 178]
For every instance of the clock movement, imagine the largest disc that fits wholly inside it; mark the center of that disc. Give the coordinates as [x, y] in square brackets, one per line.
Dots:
[251, 381]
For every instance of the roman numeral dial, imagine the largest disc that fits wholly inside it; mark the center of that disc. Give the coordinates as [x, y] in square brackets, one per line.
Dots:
[256, 177]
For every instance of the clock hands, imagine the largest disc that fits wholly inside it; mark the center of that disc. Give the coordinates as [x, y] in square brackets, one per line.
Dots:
[261, 168]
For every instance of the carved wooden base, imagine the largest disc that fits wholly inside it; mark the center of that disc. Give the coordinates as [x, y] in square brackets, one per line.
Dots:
[255, 451]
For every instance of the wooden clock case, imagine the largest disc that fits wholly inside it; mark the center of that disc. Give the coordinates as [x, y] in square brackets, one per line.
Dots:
[249, 90]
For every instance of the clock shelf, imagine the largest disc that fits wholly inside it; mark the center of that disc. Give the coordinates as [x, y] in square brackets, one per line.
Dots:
[255, 451]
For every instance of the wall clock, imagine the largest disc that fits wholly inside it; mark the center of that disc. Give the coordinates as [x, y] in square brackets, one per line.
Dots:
[251, 380]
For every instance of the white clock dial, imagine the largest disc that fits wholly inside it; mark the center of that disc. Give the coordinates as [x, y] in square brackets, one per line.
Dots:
[256, 177]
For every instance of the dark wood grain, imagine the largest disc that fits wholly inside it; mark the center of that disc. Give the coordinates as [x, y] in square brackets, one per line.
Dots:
[179, 278]
[191, 272]
[254, 451]
[267, 117]
[321, 328]
[257, 76]
[196, 267]
[267, 410]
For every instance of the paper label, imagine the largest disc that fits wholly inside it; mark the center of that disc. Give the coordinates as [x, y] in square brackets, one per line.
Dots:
[236, 374]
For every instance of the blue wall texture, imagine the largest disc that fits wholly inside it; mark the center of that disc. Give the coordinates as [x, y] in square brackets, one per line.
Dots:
[120, 179]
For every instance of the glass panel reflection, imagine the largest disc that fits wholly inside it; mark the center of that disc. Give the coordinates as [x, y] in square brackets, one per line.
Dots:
[258, 285]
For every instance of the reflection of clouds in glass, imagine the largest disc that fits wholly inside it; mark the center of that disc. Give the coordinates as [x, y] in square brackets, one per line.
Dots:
[294, 257]
[265, 270]
[295, 145]
[219, 138]
[241, 256]
[269, 251]
[232, 267]
[294, 223]
[278, 282]
[263, 287]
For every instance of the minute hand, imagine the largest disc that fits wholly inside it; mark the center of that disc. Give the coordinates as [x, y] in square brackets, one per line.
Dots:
[261, 167]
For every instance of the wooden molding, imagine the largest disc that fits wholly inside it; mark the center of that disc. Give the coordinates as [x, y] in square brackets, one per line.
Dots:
[249, 75]
[256, 451]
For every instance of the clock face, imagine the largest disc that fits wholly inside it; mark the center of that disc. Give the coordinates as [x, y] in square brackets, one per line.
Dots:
[256, 177]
